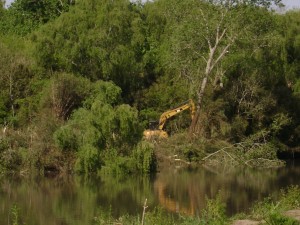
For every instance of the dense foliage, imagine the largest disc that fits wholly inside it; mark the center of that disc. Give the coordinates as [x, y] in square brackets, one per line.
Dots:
[81, 79]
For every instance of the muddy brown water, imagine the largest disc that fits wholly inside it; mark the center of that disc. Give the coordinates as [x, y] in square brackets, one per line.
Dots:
[72, 200]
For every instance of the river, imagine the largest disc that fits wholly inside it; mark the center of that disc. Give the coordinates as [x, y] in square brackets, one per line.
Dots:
[77, 200]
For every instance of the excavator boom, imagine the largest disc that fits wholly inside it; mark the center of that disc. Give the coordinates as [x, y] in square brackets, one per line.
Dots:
[170, 113]
[160, 133]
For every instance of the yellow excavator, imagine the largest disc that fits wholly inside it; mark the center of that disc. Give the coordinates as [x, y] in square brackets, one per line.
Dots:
[155, 132]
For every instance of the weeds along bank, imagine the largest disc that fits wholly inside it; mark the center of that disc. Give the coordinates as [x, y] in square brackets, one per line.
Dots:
[101, 134]
[76, 148]
[105, 138]
[85, 127]
[265, 212]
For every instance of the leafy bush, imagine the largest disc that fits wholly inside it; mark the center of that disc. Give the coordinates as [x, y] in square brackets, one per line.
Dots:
[266, 151]
[277, 218]
[24, 16]
[214, 213]
[102, 128]
[290, 198]
[13, 150]
[65, 138]
[144, 157]
[64, 93]
[88, 159]
[192, 153]
[116, 164]
[238, 128]
[272, 211]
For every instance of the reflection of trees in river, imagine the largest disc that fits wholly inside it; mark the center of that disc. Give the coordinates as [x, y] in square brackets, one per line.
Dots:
[47, 201]
[37, 199]
[72, 200]
[129, 192]
[185, 191]
[77, 200]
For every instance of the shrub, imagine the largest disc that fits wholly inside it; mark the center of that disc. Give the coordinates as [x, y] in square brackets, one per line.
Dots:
[214, 213]
[101, 128]
[276, 219]
[272, 211]
[88, 159]
[144, 157]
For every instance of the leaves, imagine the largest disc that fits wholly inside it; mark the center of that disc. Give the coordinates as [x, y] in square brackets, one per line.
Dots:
[87, 76]
[100, 126]
[24, 16]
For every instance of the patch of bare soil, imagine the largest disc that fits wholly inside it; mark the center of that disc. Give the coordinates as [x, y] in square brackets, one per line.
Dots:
[246, 222]
[295, 214]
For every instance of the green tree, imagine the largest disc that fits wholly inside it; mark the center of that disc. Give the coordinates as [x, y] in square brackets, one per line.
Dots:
[15, 84]
[289, 97]
[100, 131]
[23, 16]
[64, 93]
[201, 37]
[292, 45]
[97, 40]
[2, 4]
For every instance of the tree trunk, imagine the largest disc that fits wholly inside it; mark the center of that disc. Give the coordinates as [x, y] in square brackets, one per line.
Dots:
[194, 128]
[210, 64]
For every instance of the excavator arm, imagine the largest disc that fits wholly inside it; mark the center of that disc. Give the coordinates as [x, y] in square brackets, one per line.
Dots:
[160, 133]
[170, 113]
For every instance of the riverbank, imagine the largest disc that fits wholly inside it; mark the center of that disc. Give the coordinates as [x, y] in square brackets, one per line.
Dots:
[265, 212]
[289, 217]
[212, 215]
[214, 154]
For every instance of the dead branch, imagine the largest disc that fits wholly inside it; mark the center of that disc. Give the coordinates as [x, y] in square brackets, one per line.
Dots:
[219, 151]
[144, 211]
[268, 163]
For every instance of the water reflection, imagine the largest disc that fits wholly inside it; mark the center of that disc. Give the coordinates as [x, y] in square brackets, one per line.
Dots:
[77, 200]
[71, 200]
[185, 191]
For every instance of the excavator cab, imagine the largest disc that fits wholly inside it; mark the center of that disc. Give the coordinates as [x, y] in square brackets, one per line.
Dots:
[153, 125]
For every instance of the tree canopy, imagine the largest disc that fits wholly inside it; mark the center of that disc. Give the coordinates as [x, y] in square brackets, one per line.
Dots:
[81, 79]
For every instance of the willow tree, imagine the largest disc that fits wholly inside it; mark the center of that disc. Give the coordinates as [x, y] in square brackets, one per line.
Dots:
[203, 35]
